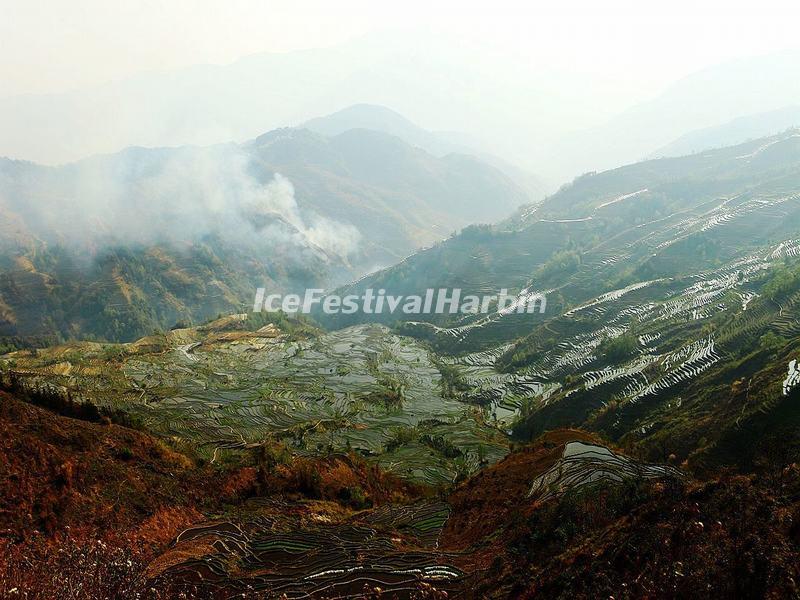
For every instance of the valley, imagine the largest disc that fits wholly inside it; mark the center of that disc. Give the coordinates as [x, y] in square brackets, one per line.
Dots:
[471, 455]
[399, 301]
[223, 388]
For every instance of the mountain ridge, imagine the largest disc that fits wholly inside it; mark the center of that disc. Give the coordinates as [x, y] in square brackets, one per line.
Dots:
[203, 227]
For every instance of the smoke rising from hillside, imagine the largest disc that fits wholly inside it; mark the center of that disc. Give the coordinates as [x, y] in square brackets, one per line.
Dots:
[276, 199]
[170, 195]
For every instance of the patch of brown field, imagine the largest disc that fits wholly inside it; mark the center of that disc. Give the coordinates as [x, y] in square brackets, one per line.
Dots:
[165, 524]
[185, 551]
[149, 344]
[339, 478]
[226, 322]
[24, 263]
[123, 286]
[235, 336]
[182, 336]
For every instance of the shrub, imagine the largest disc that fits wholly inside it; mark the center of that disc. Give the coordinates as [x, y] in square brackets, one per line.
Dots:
[309, 482]
[619, 348]
[125, 453]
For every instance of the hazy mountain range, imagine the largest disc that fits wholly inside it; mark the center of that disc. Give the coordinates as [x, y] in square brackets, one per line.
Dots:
[707, 98]
[157, 234]
[644, 220]
[438, 143]
[734, 132]
[208, 104]
[533, 118]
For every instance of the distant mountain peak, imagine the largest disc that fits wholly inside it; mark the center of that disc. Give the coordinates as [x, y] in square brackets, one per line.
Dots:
[366, 111]
[733, 132]
[286, 133]
[376, 117]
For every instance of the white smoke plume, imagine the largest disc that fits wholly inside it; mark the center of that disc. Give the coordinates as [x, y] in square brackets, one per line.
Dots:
[276, 200]
[145, 196]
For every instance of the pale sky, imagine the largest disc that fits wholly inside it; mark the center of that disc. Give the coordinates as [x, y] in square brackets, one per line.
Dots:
[56, 45]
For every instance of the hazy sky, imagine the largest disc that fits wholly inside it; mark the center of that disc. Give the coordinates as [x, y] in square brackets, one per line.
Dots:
[48, 46]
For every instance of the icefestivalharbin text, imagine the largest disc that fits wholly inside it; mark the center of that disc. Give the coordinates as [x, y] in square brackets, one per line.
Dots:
[433, 301]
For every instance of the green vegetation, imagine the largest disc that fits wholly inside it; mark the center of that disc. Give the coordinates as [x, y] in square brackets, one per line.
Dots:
[402, 436]
[453, 383]
[225, 386]
[618, 349]
[783, 282]
[562, 264]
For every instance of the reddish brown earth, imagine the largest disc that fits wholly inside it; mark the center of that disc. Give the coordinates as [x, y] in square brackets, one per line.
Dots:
[728, 538]
[58, 472]
[86, 508]
[77, 497]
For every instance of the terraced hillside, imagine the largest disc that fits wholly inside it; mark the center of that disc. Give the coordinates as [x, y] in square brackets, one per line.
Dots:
[669, 326]
[491, 538]
[222, 387]
[669, 321]
[659, 218]
[403, 550]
